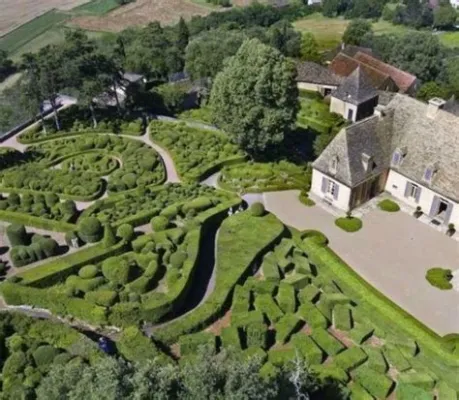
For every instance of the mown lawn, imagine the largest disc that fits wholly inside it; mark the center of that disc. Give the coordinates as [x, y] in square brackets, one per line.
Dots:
[328, 31]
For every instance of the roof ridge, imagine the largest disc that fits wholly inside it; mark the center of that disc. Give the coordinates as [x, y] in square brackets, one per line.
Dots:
[365, 55]
[365, 64]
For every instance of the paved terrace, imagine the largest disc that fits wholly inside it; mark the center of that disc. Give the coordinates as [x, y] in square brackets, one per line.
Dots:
[392, 251]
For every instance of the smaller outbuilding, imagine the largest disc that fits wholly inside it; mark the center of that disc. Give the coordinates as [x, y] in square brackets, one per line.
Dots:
[314, 77]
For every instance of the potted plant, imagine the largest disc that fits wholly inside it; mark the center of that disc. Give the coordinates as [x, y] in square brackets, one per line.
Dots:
[451, 230]
[418, 212]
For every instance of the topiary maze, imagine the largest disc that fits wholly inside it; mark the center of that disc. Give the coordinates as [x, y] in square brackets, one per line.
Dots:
[180, 263]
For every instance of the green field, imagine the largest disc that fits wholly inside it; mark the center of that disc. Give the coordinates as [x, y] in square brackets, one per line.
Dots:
[328, 31]
[14, 40]
[96, 7]
[49, 28]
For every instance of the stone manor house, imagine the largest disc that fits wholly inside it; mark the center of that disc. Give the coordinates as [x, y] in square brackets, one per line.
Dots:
[407, 148]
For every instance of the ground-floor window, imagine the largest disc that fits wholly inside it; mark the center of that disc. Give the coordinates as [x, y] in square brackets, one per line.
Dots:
[331, 188]
[413, 191]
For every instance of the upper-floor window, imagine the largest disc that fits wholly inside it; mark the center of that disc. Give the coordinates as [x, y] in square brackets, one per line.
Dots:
[429, 172]
[334, 164]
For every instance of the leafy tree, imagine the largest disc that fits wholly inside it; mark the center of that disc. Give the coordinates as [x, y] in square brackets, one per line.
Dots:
[283, 37]
[431, 89]
[330, 7]
[183, 34]
[6, 65]
[420, 54]
[255, 97]
[365, 9]
[452, 75]
[310, 48]
[206, 53]
[356, 30]
[444, 16]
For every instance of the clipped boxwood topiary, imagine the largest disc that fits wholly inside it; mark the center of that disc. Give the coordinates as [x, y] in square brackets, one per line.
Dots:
[257, 209]
[109, 236]
[90, 230]
[388, 205]
[440, 278]
[44, 355]
[159, 223]
[349, 224]
[104, 298]
[17, 235]
[117, 270]
[88, 272]
[177, 259]
[125, 232]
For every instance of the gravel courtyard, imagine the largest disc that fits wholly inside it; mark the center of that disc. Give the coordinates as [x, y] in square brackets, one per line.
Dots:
[392, 251]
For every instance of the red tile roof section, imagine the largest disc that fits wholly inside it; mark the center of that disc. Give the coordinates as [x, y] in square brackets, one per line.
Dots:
[343, 65]
[402, 79]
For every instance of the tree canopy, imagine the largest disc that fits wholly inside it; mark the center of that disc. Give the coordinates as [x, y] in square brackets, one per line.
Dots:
[255, 97]
[309, 48]
[356, 31]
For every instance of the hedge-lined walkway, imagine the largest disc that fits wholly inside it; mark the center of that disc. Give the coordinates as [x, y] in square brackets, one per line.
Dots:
[393, 252]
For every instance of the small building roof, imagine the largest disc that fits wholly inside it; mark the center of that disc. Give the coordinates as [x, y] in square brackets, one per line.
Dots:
[356, 88]
[402, 79]
[430, 138]
[312, 72]
[132, 77]
[348, 49]
[343, 65]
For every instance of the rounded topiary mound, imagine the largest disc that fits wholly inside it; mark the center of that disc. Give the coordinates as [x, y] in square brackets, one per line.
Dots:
[440, 278]
[257, 209]
[316, 236]
[159, 223]
[17, 235]
[388, 205]
[177, 259]
[117, 270]
[90, 229]
[44, 355]
[125, 232]
[88, 272]
[349, 224]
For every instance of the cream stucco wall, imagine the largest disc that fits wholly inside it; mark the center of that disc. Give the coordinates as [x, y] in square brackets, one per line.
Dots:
[314, 87]
[396, 184]
[344, 192]
[340, 107]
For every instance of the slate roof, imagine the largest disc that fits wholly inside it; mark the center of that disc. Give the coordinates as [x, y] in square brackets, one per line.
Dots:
[402, 79]
[428, 140]
[312, 72]
[348, 49]
[356, 88]
[343, 65]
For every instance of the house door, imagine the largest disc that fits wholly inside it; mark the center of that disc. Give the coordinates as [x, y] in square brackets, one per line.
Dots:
[441, 209]
[350, 115]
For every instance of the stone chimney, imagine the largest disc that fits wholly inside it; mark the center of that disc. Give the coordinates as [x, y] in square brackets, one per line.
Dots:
[435, 104]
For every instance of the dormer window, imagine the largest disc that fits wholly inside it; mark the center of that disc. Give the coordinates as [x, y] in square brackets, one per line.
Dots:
[398, 155]
[334, 165]
[368, 162]
[430, 172]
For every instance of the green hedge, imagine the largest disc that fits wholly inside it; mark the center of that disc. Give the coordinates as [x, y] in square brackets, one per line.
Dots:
[312, 316]
[230, 337]
[440, 278]
[270, 269]
[266, 304]
[309, 294]
[419, 379]
[58, 270]
[375, 383]
[342, 317]
[286, 326]
[328, 343]
[350, 358]
[134, 346]
[36, 222]
[312, 353]
[245, 318]
[241, 241]
[241, 300]
[256, 334]
[387, 312]
[58, 303]
[376, 360]
[361, 332]
[189, 344]
[298, 281]
[286, 298]
[395, 357]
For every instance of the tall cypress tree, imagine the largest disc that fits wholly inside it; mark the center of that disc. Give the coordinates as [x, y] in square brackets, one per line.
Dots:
[183, 34]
